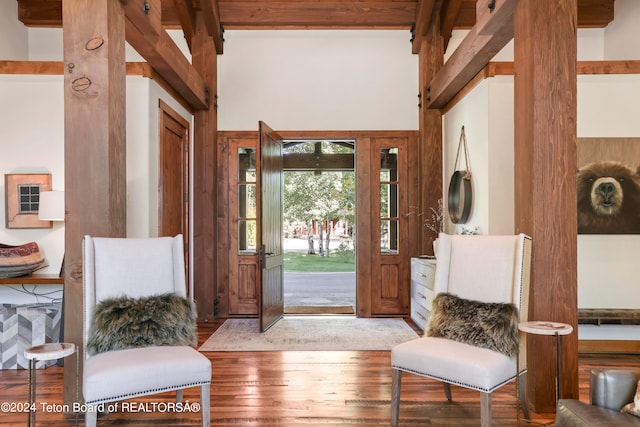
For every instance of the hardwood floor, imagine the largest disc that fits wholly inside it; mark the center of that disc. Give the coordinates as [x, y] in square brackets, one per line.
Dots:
[292, 388]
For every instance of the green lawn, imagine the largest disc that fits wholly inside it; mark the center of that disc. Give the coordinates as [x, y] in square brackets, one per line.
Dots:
[337, 262]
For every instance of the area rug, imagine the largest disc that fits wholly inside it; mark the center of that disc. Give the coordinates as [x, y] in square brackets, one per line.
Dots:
[319, 309]
[310, 333]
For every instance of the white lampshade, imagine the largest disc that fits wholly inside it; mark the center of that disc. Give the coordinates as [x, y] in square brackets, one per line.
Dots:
[51, 206]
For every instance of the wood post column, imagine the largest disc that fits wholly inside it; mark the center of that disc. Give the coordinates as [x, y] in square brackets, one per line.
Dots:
[431, 58]
[545, 182]
[95, 167]
[205, 179]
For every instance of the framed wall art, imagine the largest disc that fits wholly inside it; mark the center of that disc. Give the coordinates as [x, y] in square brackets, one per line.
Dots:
[608, 185]
[22, 199]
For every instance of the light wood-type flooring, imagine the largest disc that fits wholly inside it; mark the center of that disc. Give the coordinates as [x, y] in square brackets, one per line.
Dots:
[292, 388]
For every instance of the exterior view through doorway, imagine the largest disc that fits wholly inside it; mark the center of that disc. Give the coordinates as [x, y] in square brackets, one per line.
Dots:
[319, 226]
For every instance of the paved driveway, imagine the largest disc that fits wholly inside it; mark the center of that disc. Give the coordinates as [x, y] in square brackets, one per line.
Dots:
[319, 289]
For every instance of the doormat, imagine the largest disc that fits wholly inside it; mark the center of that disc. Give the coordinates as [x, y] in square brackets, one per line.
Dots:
[318, 309]
[311, 333]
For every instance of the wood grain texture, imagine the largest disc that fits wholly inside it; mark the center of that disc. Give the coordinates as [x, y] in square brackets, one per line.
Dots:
[48, 13]
[270, 223]
[364, 225]
[390, 271]
[486, 38]
[424, 12]
[205, 178]
[95, 167]
[430, 188]
[167, 60]
[545, 190]
[300, 388]
[322, 14]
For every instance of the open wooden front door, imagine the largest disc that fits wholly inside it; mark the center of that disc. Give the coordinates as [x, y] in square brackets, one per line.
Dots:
[271, 244]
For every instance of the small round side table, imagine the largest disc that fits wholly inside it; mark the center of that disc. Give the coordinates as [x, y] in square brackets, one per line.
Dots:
[49, 351]
[550, 328]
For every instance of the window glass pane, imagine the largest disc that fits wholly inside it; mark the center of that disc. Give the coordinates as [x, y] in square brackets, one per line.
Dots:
[389, 237]
[247, 235]
[388, 200]
[247, 164]
[388, 164]
[247, 201]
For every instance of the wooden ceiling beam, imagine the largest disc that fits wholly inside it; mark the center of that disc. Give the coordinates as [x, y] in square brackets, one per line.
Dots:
[591, 14]
[448, 15]
[492, 32]
[595, 13]
[211, 14]
[163, 55]
[146, 16]
[424, 10]
[187, 16]
[338, 14]
[323, 14]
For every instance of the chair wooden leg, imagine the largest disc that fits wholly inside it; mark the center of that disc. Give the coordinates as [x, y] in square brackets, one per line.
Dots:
[91, 418]
[205, 404]
[447, 390]
[396, 381]
[485, 409]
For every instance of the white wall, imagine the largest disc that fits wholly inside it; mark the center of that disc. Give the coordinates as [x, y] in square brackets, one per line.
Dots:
[490, 153]
[622, 35]
[13, 35]
[318, 80]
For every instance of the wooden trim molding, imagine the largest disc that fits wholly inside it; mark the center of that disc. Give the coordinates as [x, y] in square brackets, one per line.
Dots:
[608, 346]
[506, 68]
[56, 68]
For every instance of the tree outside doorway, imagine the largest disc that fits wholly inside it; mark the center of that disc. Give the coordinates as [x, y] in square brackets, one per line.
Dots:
[319, 227]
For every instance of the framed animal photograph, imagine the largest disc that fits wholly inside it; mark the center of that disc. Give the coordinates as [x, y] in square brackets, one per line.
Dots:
[608, 182]
[22, 199]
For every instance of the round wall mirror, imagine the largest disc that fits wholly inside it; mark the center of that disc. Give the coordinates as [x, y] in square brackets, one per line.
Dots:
[460, 196]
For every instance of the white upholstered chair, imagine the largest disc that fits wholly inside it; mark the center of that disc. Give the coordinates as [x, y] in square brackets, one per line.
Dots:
[480, 268]
[136, 268]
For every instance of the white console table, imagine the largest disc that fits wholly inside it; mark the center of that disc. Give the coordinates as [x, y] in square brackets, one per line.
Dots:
[422, 276]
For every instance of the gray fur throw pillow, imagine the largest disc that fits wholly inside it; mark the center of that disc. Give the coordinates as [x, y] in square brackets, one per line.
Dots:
[123, 322]
[488, 325]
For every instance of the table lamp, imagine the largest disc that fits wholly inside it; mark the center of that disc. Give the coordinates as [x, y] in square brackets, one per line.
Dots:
[51, 208]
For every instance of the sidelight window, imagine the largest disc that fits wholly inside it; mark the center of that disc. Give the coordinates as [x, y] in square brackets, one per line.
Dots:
[389, 184]
[247, 200]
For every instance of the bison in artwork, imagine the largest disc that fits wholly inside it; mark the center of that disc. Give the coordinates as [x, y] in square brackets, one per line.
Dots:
[608, 199]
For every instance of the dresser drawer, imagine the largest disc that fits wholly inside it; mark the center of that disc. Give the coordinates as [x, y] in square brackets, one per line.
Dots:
[422, 276]
[419, 315]
[423, 271]
[421, 295]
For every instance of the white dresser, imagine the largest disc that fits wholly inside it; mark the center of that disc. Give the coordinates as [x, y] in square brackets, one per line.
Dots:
[422, 276]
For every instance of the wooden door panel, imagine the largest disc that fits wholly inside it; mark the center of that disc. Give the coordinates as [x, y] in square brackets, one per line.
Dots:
[174, 174]
[244, 271]
[271, 243]
[173, 180]
[244, 293]
[390, 269]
